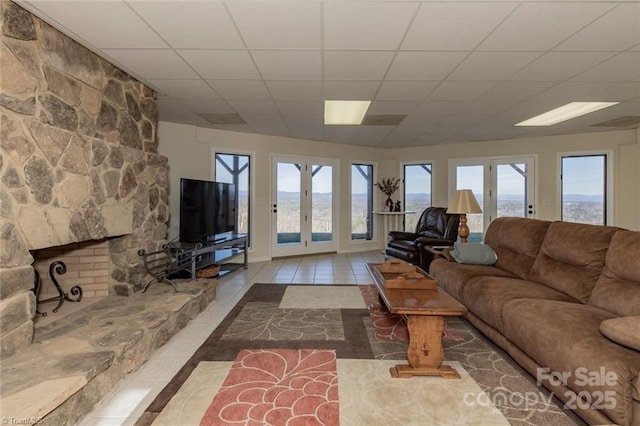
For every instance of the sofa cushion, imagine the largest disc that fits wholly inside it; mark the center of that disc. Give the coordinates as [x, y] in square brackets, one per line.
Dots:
[517, 242]
[618, 288]
[474, 254]
[452, 277]
[485, 296]
[571, 258]
[566, 338]
[623, 330]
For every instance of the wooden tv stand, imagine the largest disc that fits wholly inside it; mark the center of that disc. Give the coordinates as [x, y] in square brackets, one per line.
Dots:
[425, 310]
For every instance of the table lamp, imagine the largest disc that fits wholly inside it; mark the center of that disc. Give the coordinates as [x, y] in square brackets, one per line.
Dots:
[463, 202]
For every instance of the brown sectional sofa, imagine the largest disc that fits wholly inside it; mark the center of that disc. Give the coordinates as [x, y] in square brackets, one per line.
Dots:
[544, 302]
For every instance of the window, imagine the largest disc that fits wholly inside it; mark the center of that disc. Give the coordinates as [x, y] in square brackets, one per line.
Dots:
[584, 188]
[417, 192]
[361, 201]
[236, 169]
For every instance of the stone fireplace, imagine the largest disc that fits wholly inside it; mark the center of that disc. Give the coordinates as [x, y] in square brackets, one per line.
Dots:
[78, 167]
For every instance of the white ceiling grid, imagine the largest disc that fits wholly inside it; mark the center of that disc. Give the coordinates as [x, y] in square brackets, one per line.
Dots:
[459, 70]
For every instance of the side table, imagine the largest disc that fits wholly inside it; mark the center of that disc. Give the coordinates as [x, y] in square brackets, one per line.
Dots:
[392, 216]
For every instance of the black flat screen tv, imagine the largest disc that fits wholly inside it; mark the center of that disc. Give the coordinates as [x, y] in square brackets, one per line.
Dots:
[207, 209]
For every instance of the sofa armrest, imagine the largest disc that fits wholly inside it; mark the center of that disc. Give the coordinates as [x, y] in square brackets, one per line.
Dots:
[623, 331]
[400, 235]
[430, 241]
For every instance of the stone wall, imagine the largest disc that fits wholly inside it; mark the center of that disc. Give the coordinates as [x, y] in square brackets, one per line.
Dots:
[78, 161]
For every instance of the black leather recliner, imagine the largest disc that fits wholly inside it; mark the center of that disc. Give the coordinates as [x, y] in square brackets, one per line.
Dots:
[435, 228]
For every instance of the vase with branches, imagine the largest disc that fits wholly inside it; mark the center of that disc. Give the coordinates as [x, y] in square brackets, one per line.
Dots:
[389, 186]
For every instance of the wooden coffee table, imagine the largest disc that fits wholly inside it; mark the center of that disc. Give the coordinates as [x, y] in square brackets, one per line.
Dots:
[425, 311]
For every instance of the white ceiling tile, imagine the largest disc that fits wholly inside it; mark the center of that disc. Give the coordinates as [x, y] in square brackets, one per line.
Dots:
[174, 111]
[419, 122]
[405, 90]
[491, 66]
[540, 26]
[515, 91]
[233, 46]
[621, 92]
[104, 24]
[221, 64]
[366, 25]
[340, 132]
[240, 89]
[185, 89]
[460, 90]
[197, 25]
[454, 26]
[278, 25]
[391, 107]
[152, 63]
[570, 91]
[254, 107]
[617, 30]
[485, 107]
[302, 119]
[622, 67]
[356, 65]
[463, 120]
[430, 108]
[424, 65]
[558, 66]
[268, 120]
[301, 107]
[207, 106]
[350, 90]
[288, 65]
[372, 133]
[295, 90]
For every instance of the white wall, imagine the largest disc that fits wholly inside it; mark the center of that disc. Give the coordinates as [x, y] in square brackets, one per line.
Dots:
[189, 151]
[623, 144]
[188, 148]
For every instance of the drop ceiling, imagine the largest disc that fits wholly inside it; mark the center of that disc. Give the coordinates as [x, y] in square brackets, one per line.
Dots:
[456, 70]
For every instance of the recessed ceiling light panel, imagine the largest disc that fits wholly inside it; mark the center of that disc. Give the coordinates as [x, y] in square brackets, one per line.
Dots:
[345, 112]
[565, 112]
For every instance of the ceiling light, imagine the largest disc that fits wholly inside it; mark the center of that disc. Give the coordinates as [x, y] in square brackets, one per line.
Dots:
[345, 112]
[565, 112]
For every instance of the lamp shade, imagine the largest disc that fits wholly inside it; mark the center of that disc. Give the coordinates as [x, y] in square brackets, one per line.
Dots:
[464, 202]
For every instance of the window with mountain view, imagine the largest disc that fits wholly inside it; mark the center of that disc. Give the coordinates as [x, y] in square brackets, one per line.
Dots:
[361, 201]
[236, 169]
[584, 189]
[417, 192]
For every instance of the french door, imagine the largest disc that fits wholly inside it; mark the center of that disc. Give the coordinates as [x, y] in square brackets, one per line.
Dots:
[303, 206]
[502, 186]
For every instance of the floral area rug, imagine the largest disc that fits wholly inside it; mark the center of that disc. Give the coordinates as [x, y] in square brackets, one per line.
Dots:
[319, 355]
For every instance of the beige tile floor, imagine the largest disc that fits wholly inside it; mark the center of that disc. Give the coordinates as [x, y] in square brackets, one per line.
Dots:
[128, 400]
